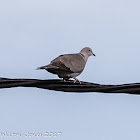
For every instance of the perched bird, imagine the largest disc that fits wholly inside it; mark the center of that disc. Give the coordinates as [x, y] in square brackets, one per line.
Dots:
[69, 65]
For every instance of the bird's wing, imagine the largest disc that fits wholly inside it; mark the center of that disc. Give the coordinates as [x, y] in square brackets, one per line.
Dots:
[71, 62]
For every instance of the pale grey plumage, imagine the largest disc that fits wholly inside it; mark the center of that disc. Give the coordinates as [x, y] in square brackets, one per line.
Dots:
[69, 65]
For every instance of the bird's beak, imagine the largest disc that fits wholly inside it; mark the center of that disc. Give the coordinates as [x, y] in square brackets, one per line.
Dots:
[93, 54]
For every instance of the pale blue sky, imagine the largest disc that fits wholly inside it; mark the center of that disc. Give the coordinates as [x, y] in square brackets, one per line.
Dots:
[32, 33]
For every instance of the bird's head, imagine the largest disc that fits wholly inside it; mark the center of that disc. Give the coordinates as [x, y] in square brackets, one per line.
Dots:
[87, 52]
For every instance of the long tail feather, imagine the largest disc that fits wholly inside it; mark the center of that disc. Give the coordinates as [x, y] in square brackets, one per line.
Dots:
[47, 67]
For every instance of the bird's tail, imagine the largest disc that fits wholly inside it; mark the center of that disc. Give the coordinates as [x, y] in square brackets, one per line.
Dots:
[47, 67]
[39, 68]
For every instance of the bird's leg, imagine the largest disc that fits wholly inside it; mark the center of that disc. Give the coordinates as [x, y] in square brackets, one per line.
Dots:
[76, 80]
[65, 79]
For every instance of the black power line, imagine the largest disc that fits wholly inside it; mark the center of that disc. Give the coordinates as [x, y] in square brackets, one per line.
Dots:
[69, 86]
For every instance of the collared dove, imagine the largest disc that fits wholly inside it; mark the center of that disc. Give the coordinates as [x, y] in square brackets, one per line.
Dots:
[69, 65]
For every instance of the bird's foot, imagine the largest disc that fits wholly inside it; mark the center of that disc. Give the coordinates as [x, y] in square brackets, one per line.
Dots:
[76, 80]
[65, 79]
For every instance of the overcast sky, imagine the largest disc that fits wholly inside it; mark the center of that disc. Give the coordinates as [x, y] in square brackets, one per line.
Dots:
[33, 32]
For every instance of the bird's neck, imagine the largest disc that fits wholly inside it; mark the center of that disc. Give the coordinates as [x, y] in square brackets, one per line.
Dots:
[85, 57]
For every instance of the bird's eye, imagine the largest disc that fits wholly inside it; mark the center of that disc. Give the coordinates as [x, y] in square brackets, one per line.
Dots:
[89, 50]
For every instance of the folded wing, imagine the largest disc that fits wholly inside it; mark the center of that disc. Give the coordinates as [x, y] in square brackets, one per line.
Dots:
[70, 62]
